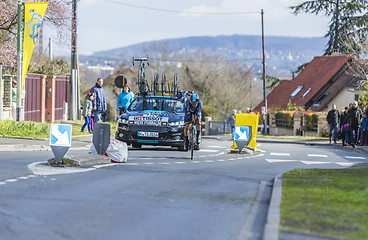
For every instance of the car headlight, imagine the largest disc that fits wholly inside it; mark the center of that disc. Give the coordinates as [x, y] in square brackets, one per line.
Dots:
[123, 121]
[176, 124]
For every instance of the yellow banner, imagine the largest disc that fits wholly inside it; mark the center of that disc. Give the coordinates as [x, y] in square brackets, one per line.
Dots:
[247, 119]
[33, 19]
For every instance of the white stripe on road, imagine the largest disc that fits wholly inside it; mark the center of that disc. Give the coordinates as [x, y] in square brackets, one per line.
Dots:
[280, 154]
[352, 157]
[345, 164]
[313, 162]
[317, 155]
[280, 160]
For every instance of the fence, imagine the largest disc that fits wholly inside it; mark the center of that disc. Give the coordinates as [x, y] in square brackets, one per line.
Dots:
[45, 97]
[298, 124]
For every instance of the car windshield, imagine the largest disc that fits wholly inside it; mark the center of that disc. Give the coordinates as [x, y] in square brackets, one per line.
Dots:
[157, 104]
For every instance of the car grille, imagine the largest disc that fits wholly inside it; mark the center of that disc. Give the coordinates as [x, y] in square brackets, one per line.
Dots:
[136, 128]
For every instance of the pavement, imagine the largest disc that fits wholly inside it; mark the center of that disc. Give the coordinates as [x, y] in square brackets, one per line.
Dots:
[271, 230]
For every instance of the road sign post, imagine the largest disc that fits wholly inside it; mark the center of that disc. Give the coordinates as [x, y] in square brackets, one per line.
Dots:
[60, 140]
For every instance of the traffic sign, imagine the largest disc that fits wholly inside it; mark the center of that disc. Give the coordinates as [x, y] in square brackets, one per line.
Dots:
[241, 133]
[61, 135]
[60, 140]
[242, 136]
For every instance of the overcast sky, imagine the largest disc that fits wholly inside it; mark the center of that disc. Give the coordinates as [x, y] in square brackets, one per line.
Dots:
[108, 24]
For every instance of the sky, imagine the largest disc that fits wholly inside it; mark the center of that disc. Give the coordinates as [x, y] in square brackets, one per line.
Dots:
[109, 24]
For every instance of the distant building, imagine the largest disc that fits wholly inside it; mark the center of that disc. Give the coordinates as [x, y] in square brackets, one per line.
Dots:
[325, 80]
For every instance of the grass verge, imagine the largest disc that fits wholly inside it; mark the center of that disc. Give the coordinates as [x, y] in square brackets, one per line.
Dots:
[331, 202]
[39, 130]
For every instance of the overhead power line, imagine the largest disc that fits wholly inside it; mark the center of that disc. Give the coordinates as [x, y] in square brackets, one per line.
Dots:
[178, 11]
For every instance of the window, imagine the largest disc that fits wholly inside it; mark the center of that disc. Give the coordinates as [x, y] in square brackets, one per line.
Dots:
[297, 90]
[318, 102]
[305, 94]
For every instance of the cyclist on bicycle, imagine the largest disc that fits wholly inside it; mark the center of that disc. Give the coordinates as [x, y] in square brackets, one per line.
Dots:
[193, 109]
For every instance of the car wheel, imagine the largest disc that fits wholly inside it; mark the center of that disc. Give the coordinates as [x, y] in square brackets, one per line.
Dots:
[136, 145]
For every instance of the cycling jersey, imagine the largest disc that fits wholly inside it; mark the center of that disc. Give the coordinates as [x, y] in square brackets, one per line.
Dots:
[190, 110]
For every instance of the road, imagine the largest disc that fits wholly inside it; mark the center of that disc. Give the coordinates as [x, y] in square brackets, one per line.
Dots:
[158, 194]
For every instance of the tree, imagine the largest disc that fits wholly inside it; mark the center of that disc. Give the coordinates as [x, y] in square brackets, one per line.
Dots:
[58, 15]
[347, 17]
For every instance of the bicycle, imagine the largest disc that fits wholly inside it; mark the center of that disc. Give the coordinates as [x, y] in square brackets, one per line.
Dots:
[142, 82]
[192, 137]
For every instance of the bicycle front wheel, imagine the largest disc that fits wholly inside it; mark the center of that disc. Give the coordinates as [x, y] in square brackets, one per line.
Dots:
[192, 139]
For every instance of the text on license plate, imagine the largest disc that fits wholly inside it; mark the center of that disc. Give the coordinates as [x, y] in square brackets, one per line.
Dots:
[148, 134]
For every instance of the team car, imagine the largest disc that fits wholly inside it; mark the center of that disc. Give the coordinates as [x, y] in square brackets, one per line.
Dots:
[155, 116]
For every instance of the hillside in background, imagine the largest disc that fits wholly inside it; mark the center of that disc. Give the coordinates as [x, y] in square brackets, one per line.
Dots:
[283, 54]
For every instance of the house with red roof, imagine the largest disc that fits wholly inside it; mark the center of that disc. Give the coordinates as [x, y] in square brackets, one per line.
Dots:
[326, 80]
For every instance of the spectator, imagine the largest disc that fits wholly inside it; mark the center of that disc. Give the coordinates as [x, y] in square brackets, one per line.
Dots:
[99, 103]
[231, 122]
[333, 119]
[364, 129]
[125, 98]
[343, 121]
[14, 100]
[354, 120]
[87, 112]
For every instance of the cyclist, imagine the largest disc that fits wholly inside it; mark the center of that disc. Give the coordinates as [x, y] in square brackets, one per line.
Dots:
[193, 108]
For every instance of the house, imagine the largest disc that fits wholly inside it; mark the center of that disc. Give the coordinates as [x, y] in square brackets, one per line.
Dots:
[326, 80]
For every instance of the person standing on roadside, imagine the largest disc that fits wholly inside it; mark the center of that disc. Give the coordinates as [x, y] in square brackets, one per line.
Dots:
[354, 120]
[343, 121]
[99, 103]
[87, 111]
[231, 122]
[333, 119]
[125, 98]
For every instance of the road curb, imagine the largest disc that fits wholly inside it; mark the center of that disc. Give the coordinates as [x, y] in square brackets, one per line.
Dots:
[271, 230]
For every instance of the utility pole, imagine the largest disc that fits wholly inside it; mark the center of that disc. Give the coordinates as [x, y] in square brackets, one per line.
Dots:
[19, 63]
[74, 65]
[264, 78]
[50, 48]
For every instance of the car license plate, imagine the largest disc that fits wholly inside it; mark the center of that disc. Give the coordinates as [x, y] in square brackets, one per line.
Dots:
[148, 134]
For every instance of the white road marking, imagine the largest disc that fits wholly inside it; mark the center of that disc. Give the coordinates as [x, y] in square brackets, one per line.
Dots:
[11, 180]
[23, 178]
[345, 164]
[216, 147]
[208, 150]
[280, 160]
[352, 157]
[313, 162]
[280, 154]
[317, 155]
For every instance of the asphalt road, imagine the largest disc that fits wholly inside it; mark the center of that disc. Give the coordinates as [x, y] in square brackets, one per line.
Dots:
[158, 194]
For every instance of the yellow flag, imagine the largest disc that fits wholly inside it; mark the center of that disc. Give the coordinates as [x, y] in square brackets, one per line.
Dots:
[33, 19]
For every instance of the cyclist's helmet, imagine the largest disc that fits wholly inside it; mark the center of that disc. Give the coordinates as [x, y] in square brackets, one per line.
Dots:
[194, 98]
